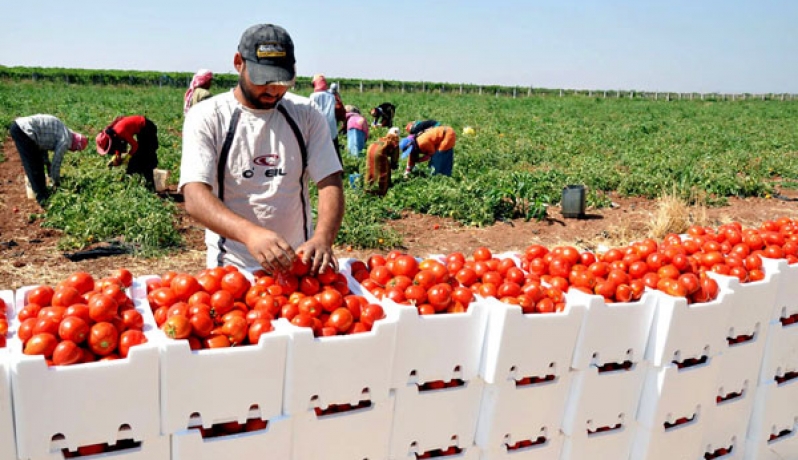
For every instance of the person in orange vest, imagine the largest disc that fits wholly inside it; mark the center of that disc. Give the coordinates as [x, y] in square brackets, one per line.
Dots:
[142, 135]
[382, 157]
[435, 145]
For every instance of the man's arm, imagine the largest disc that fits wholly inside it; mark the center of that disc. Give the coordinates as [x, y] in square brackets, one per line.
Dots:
[317, 251]
[270, 249]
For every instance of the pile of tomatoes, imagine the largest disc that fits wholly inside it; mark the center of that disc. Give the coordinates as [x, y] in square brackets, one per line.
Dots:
[3, 323]
[81, 320]
[221, 307]
[450, 283]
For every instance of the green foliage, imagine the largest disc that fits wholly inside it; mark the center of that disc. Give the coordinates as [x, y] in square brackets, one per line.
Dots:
[525, 150]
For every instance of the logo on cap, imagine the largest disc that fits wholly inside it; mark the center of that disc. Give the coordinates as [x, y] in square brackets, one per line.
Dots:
[270, 50]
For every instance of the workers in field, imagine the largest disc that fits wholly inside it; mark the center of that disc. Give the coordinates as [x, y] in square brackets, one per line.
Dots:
[435, 145]
[141, 135]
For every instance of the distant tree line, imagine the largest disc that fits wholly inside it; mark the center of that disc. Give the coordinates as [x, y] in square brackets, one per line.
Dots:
[229, 80]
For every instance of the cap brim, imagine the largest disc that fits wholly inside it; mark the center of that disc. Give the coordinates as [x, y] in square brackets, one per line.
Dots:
[263, 74]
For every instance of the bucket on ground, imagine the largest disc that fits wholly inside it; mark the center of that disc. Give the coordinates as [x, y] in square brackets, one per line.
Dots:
[573, 201]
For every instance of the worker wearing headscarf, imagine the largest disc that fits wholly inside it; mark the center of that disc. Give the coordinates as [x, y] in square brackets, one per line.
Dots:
[198, 89]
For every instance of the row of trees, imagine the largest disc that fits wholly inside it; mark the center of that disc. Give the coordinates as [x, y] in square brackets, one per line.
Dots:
[182, 79]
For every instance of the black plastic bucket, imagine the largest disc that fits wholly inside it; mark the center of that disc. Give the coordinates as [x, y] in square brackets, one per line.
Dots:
[573, 201]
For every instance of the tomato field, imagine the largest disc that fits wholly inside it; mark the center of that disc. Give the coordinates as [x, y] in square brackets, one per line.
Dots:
[523, 152]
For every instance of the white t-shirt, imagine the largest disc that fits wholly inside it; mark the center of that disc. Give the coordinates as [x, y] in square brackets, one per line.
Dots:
[262, 179]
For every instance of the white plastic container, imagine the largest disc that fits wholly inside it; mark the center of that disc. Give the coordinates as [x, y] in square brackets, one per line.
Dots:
[779, 449]
[436, 419]
[786, 302]
[603, 400]
[221, 384]
[122, 397]
[549, 449]
[8, 448]
[358, 434]
[531, 345]
[680, 331]
[751, 304]
[670, 394]
[340, 369]
[780, 355]
[775, 412]
[613, 444]
[629, 322]
[273, 442]
[512, 413]
[658, 443]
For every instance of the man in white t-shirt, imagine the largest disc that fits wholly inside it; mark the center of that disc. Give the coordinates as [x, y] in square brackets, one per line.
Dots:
[267, 143]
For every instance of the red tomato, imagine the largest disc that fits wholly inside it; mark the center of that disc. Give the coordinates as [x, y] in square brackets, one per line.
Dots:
[235, 328]
[66, 353]
[124, 276]
[258, 327]
[341, 319]
[41, 295]
[129, 339]
[201, 324]
[65, 296]
[81, 281]
[74, 329]
[103, 308]
[370, 313]
[176, 327]
[236, 284]
[184, 286]
[41, 344]
[103, 338]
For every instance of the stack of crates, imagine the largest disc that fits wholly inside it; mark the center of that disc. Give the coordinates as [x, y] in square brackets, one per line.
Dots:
[608, 368]
[679, 388]
[60, 409]
[773, 429]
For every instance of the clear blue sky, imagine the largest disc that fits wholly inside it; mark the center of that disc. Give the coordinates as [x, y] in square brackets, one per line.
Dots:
[729, 46]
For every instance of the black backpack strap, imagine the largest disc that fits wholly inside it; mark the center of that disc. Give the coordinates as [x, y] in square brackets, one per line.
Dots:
[220, 168]
[304, 150]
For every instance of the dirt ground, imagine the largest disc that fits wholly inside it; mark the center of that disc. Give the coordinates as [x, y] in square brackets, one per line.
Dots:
[29, 253]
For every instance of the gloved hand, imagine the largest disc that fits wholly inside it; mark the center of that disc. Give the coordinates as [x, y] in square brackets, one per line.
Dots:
[116, 160]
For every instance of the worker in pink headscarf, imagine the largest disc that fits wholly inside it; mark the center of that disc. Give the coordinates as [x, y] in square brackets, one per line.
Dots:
[199, 89]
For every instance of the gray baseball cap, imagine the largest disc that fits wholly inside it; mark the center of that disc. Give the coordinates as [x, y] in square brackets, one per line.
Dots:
[269, 52]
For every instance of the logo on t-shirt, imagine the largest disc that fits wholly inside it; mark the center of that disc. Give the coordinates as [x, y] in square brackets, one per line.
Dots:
[267, 160]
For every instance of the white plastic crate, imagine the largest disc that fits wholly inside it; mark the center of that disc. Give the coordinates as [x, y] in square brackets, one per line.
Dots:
[751, 304]
[273, 442]
[510, 414]
[670, 393]
[775, 411]
[123, 396]
[786, 302]
[8, 448]
[431, 347]
[629, 322]
[780, 356]
[437, 347]
[603, 399]
[658, 443]
[236, 378]
[340, 369]
[362, 434]
[680, 331]
[436, 419]
[726, 421]
[156, 448]
[513, 341]
[550, 449]
[614, 444]
[780, 449]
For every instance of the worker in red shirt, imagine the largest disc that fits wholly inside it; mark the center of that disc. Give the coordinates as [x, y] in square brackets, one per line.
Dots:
[141, 135]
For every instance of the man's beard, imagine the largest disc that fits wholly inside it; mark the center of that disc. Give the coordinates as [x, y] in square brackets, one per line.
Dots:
[251, 99]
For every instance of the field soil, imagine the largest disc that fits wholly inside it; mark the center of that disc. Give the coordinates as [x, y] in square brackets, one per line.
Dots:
[29, 253]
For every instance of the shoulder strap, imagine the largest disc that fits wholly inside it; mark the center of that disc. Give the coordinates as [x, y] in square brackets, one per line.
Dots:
[304, 150]
[220, 167]
[228, 141]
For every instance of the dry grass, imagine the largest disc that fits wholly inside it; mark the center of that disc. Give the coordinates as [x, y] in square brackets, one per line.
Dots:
[674, 215]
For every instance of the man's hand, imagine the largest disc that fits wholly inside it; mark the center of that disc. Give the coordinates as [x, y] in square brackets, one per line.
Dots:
[318, 255]
[271, 250]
